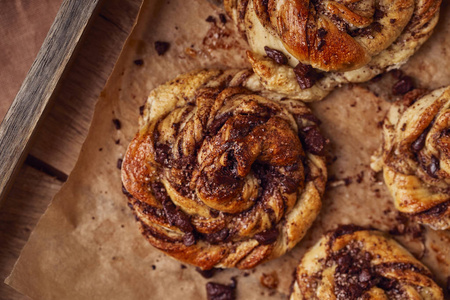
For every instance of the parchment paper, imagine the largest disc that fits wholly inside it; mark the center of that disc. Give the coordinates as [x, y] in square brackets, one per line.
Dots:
[88, 246]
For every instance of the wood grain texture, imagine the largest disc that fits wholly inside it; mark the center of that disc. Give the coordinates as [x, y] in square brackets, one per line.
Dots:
[30, 195]
[42, 80]
[62, 132]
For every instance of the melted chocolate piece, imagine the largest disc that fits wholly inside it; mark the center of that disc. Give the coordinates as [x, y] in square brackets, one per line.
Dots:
[378, 15]
[139, 62]
[314, 141]
[119, 163]
[438, 209]
[223, 18]
[141, 110]
[189, 239]
[433, 167]
[117, 123]
[276, 55]
[418, 144]
[322, 32]
[306, 76]
[161, 47]
[217, 291]
[125, 192]
[217, 237]
[207, 273]
[267, 237]
[404, 85]
[176, 217]
[211, 19]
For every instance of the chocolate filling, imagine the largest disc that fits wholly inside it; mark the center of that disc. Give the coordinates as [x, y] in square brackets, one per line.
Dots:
[306, 76]
[314, 140]
[267, 237]
[276, 55]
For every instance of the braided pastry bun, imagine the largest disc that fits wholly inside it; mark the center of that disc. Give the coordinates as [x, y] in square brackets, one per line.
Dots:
[355, 263]
[305, 49]
[415, 156]
[220, 176]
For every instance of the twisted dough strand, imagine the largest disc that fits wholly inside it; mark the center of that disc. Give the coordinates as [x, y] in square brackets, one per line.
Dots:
[354, 263]
[342, 41]
[220, 176]
[415, 157]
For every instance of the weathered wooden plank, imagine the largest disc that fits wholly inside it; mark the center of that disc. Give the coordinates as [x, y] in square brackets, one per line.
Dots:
[30, 195]
[59, 140]
[33, 98]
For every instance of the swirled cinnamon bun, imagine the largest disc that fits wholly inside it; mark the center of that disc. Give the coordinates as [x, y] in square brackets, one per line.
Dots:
[355, 263]
[305, 49]
[415, 156]
[222, 176]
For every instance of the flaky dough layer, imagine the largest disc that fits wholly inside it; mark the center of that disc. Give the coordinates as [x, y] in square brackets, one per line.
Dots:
[341, 41]
[415, 157]
[355, 263]
[222, 175]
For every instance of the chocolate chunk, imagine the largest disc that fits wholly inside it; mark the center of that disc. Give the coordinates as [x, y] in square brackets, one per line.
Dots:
[119, 163]
[189, 239]
[161, 47]
[404, 85]
[418, 144]
[117, 123]
[139, 62]
[217, 237]
[321, 44]
[392, 21]
[276, 55]
[433, 167]
[125, 192]
[314, 141]
[159, 191]
[223, 18]
[217, 291]
[386, 283]
[438, 209]
[141, 110]
[211, 19]
[378, 14]
[306, 76]
[267, 237]
[206, 273]
[176, 217]
[377, 27]
[344, 261]
[322, 32]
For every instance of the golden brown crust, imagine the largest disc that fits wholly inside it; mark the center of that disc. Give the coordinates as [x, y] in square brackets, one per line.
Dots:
[355, 263]
[220, 176]
[415, 157]
[343, 41]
